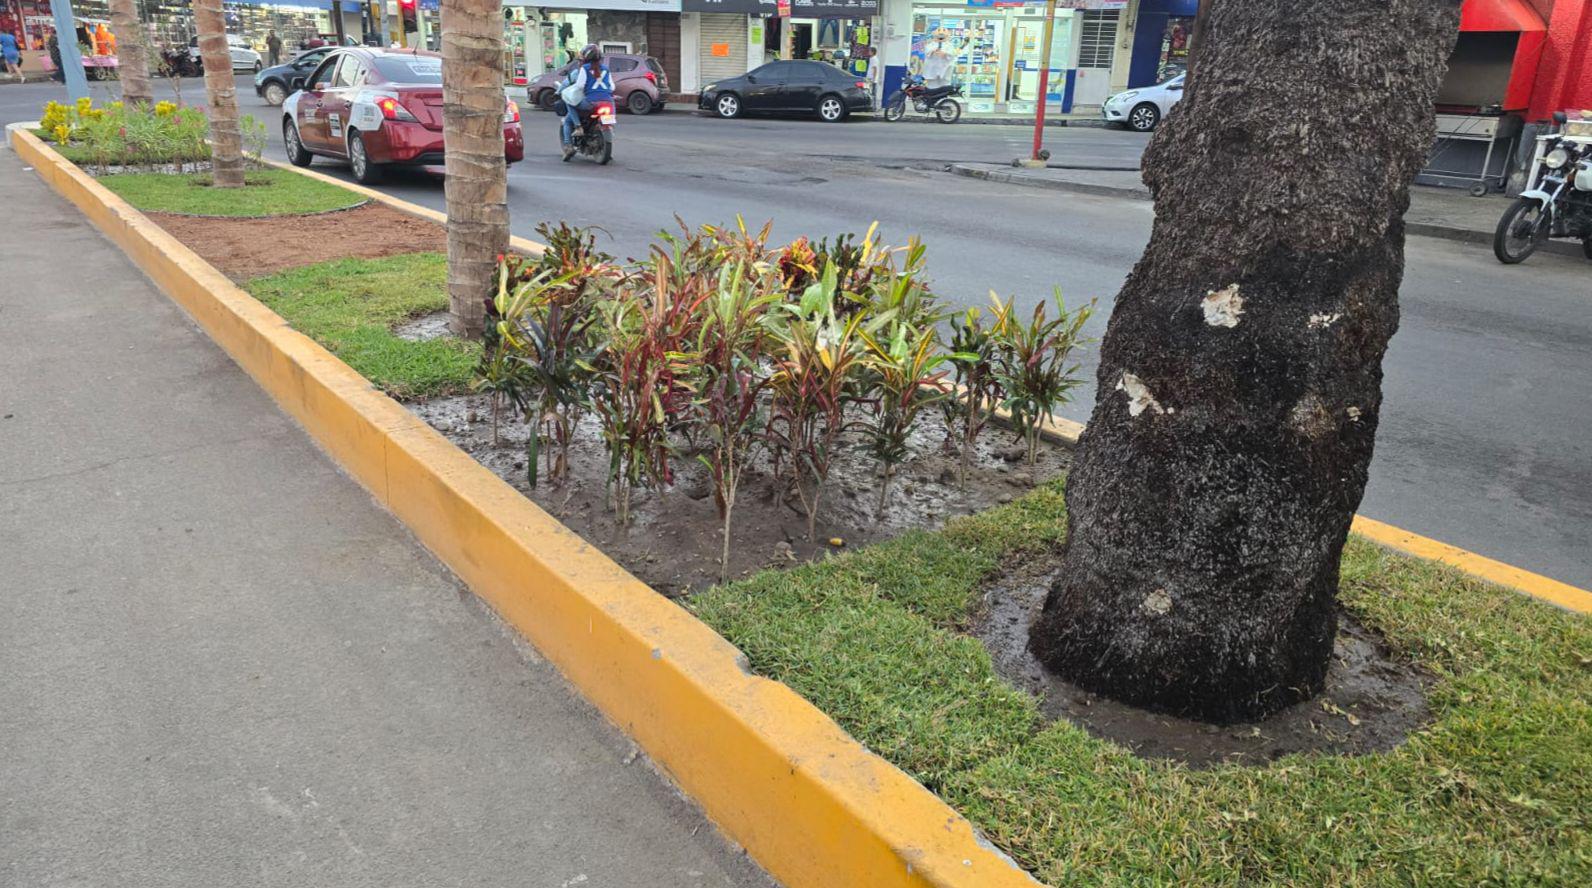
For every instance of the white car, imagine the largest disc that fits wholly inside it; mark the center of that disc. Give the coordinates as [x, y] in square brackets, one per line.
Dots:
[1141, 109]
[244, 58]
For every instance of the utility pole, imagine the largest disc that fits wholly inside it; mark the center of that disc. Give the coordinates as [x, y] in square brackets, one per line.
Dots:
[337, 21]
[71, 58]
[1040, 155]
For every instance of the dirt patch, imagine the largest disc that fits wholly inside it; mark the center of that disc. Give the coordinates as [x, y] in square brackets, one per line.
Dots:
[247, 248]
[1371, 702]
[673, 543]
[423, 328]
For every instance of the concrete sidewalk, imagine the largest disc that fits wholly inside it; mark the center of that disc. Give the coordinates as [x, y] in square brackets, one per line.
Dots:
[222, 664]
[1448, 213]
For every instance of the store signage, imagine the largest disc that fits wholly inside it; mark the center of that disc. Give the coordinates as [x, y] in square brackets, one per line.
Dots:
[627, 5]
[1060, 4]
[788, 8]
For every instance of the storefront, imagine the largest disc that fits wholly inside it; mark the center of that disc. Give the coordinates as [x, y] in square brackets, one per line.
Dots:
[727, 38]
[994, 49]
[1163, 35]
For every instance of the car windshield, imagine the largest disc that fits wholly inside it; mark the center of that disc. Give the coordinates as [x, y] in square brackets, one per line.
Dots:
[410, 69]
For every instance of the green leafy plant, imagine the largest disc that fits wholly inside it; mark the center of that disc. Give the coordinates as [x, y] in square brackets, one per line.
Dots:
[729, 373]
[639, 390]
[974, 350]
[1031, 366]
[904, 377]
[818, 363]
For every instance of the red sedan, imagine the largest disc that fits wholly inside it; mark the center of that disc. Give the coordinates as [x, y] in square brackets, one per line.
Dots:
[377, 108]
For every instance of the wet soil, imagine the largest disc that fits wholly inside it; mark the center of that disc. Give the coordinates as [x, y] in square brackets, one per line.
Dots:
[1372, 701]
[673, 543]
[244, 248]
[423, 328]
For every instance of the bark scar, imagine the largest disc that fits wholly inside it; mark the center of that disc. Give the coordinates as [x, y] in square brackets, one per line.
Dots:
[1223, 307]
[1139, 397]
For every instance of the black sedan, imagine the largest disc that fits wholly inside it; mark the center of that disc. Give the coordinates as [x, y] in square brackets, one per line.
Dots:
[277, 82]
[805, 87]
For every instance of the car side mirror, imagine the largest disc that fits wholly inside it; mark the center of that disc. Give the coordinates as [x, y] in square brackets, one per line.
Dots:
[750, 79]
[323, 86]
[1176, 89]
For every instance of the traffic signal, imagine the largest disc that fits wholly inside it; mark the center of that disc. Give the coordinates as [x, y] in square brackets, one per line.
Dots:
[406, 9]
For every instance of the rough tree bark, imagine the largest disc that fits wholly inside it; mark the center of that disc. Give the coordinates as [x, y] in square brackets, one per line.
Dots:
[132, 53]
[477, 178]
[1240, 376]
[226, 136]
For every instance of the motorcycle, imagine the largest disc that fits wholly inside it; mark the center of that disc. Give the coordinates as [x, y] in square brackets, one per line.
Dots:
[925, 99]
[1559, 201]
[180, 62]
[594, 138]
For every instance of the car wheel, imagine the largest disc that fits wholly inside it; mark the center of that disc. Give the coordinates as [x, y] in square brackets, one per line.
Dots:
[366, 172]
[274, 93]
[728, 106]
[546, 99]
[1144, 117]
[639, 102]
[297, 154]
[831, 109]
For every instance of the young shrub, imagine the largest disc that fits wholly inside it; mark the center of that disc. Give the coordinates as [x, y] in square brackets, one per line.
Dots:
[1032, 366]
[728, 373]
[974, 348]
[904, 376]
[817, 363]
[639, 392]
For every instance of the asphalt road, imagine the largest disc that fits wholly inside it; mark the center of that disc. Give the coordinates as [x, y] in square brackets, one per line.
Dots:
[1486, 422]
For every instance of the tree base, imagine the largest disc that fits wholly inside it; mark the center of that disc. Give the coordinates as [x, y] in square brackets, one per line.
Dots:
[1189, 659]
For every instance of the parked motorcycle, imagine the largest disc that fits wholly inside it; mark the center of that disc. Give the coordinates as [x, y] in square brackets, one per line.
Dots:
[594, 138]
[179, 62]
[937, 100]
[1558, 203]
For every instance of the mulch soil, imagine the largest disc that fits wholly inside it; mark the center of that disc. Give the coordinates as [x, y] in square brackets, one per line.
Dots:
[673, 542]
[248, 248]
[1371, 703]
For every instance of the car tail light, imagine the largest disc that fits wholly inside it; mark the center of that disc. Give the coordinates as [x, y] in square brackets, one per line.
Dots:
[862, 84]
[651, 77]
[392, 109]
[511, 112]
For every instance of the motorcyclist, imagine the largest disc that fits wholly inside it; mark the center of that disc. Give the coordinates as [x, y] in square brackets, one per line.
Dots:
[588, 83]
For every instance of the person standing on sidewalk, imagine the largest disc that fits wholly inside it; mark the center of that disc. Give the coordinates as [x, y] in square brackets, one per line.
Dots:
[273, 48]
[54, 47]
[11, 55]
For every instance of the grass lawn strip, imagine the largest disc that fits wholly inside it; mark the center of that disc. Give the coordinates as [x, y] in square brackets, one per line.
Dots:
[269, 192]
[1497, 789]
[351, 305]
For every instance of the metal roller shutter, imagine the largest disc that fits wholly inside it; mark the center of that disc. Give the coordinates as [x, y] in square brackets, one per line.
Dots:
[726, 31]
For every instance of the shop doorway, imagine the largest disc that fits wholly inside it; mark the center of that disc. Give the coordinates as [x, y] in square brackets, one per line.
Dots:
[1097, 54]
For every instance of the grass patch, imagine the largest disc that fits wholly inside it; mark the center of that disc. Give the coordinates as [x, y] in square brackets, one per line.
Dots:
[351, 305]
[1497, 790]
[269, 192]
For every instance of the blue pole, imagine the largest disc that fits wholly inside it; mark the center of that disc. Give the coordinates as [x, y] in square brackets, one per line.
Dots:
[71, 59]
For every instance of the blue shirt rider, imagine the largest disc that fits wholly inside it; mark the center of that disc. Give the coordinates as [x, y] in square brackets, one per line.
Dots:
[588, 84]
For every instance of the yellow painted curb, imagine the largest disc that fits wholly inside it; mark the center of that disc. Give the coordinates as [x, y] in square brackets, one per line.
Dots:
[778, 776]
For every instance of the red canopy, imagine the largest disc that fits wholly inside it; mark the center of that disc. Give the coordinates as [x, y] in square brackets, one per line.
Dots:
[1518, 17]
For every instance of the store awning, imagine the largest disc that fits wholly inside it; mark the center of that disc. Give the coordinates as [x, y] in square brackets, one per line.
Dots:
[1499, 15]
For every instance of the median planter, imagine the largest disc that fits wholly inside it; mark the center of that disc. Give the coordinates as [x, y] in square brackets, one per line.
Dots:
[901, 644]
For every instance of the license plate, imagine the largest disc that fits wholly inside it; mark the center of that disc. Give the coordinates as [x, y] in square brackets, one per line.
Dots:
[608, 120]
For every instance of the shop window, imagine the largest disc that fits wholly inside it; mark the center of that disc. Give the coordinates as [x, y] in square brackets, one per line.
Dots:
[1097, 38]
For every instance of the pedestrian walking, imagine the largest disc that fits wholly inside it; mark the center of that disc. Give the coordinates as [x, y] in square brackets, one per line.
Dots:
[54, 47]
[11, 55]
[273, 48]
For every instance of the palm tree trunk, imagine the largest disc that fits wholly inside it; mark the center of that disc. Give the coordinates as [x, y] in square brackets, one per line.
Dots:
[226, 137]
[477, 178]
[1240, 377]
[131, 53]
